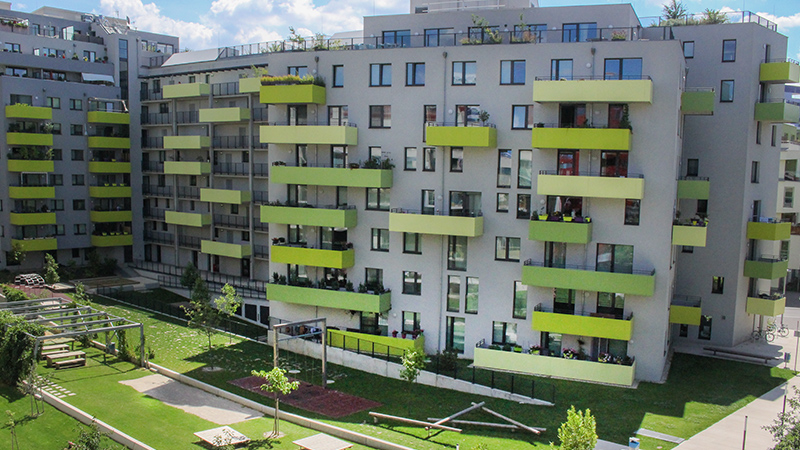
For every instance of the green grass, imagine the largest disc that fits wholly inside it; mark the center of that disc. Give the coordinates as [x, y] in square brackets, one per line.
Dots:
[692, 399]
[158, 295]
[51, 430]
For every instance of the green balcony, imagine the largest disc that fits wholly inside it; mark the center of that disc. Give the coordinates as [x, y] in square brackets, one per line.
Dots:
[229, 196]
[779, 72]
[309, 134]
[461, 136]
[769, 231]
[593, 91]
[238, 251]
[249, 85]
[336, 259]
[311, 217]
[188, 90]
[110, 191]
[685, 314]
[187, 219]
[694, 236]
[295, 93]
[109, 167]
[406, 222]
[569, 232]
[766, 306]
[22, 219]
[698, 102]
[187, 142]
[549, 366]
[224, 115]
[777, 112]
[591, 326]
[32, 139]
[30, 165]
[21, 111]
[187, 168]
[30, 192]
[591, 186]
[112, 240]
[118, 118]
[581, 138]
[109, 142]
[694, 189]
[110, 216]
[584, 279]
[767, 269]
[325, 298]
[327, 176]
[36, 245]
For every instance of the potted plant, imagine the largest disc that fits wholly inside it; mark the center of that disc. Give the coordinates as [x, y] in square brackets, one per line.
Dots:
[569, 353]
[619, 35]
[536, 349]
[483, 116]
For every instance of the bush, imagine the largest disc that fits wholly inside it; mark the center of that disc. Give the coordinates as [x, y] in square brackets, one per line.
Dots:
[446, 360]
[16, 347]
[14, 295]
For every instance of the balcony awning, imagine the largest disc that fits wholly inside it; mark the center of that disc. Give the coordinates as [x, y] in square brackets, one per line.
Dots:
[97, 77]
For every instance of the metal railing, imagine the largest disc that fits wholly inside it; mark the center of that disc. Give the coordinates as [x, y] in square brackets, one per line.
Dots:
[188, 192]
[159, 191]
[152, 166]
[193, 242]
[232, 169]
[768, 259]
[693, 301]
[701, 19]
[230, 88]
[615, 315]
[591, 174]
[260, 197]
[260, 114]
[254, 286]
[156, 118]
[230, 142]
[261, 251]
[183, 117]
[151, 95]
[228, 220]
[592, 77]
[260, 170]
[699, 89]
[159, 237]
[153, 142]
[531, 262]
[154, 213]
[460, 124]
[451, 213]
[693, 178]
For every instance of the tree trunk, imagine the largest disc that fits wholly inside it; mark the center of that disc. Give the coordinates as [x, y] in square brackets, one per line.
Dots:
[275, 430]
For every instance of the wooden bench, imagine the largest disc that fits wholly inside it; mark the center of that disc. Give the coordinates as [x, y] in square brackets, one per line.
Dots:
[77, 362]
[51, 359]
[55, 352]
[47, 348]
[726, 351]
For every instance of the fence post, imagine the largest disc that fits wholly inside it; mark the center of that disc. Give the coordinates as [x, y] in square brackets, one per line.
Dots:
[473, 374]
[512, 383]
[492, 371]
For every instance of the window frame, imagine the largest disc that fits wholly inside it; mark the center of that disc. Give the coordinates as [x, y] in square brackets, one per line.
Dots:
[722, 90]
[377, 235]
[724, 43]
[338, 78]
[416, 248]
[415, 286]
[497, 202]
[412, 75]
[383, 109]
[684, 47]
[380, 193]
[528, 117]
[463, 71]
[629, 218]
[459, 167]
[384, 78]
[506, 243]
[512, 81]
[410, 165]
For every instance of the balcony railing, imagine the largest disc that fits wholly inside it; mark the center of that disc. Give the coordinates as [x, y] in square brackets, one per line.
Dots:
[261, 251]
[231, 142]
[531, 262]
[189, 241]
[253, 288]
[232, 169]
[183, 117]
[153, 142]
[451, 213]
[260, 197]
[151, 95]
[156, 119]
[592, 77]
[231, 88]
[159, 237]
[154, 213]
[188, 192]
[152, 166]
[159, 191]
[260, 170]
[609, 172]
[228, 220]
[692, 301]
[260, 114]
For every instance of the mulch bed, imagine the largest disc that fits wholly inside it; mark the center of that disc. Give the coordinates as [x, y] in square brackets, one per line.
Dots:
[309, 397]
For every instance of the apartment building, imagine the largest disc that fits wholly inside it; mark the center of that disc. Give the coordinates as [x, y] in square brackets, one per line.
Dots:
[562, 191]
[68, 190]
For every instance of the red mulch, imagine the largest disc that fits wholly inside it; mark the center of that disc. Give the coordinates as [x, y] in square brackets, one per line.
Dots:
[36, 292]
[313, 398]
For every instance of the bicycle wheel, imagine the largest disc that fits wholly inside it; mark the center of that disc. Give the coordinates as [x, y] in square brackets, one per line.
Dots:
[756, 335]
[783, 331]
[769, 336]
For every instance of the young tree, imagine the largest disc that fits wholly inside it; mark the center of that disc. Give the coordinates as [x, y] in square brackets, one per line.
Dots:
[11, 423]
[50, 270]
[17, 253]
[189, 276]
[202, 315]
[413, 363]
[229, 302]
[714, 16]
[276, 383]
[785, 429]
[673, 10]
[80, 296]
[579, 432]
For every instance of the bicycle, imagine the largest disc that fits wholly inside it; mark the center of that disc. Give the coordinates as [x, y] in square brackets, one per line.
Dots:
[767, 334]
[782, 330]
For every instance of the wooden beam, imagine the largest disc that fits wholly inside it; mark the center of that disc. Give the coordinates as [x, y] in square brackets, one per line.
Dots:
[420, 423]
[512, 421]
[460, 413]
[485, 424]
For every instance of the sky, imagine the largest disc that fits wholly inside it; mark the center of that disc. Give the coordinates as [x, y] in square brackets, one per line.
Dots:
[214, 23]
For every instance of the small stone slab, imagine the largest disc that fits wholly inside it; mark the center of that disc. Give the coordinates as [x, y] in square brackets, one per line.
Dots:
[657, 435]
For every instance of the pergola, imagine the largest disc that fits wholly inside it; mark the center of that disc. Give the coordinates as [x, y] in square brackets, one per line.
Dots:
[63, 318]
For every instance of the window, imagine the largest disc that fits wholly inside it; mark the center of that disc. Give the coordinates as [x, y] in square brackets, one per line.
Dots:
[411, 159]
[457, 253]
[578, 32]
[453, 293]
[529, 33]
[726, 91]
[615, 258]
[512, 72]
[411, 322]
[632, 210]
[78, 180]
[729, 50]
[57, 204]
[79, 229]
[10, 47]
[21, 99]
[439, 36]
[412, 243]
[525, 169]
[380, 240]
[76, 104]
[754, 172]
[429, 159]
[76, 129]
[78, 205]
[56, 129]
[53, 102]
[456, 159]
[688, 49]
[520, 300]
[380, 116]
[57, 154]
[299, 71]
[502, 202]
[467, 115]
[454, 334]
[338, 76]
[704, 331]
[464, 73]
[415, 74]
[561, 69]
[717, 285]
[473, 285]
[378, 199]
[428, 201]
[412, 283]
[687, 249]
[788, 197]
[774, 136]
[611, 303]
[504, 169]
[692, 167]
[338, 115]
[758, 132]
[380, 75]
[485, 35]
[397, 38]
[375, 153]
[77, 155]
[613, 164]
[623, 69]
[523, 206]
[564, 301]
[522, 117]
[506, 249]
[374, 279]
[504, 333]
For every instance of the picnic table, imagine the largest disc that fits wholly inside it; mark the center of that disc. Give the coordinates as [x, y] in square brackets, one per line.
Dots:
[68, 356]
[322, 441]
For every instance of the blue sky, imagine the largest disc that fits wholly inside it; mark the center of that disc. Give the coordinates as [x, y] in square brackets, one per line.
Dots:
[211, 23]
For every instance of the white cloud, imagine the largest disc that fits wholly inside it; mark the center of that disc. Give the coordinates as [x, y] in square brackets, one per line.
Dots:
[148, 17]
[783, 21]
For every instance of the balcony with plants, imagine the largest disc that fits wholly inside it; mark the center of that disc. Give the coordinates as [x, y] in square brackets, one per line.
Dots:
[689, 232]
[111, 210]
[26, 133]
[607, 325]
[110, 161]
[564, 222]
[471, 130]
[109, 136]
[32, 212]
[329, 293]
[25, 111]
[583, 134]
[292, 89]
[108, 111]
[31, 186]
[372, 173]
[30, 159]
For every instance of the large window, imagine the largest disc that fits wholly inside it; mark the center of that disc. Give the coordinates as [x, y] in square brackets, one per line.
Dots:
[380, 75]
[525, 169]
[415, 74]
[457, 253]
[373, 278]
[611, 304]
[380, 116]
[512, 72]
[623, 69]
[471, 304]
[380, 239]
[523, 206]
[397, 38]
[453, 293]
[337, 115]
[522, 117]
[504, 168]
[579, 32]
[506, 248]
[464, 73]
[378, 199]
[726, 91]
[454, 334]
[563, 301]
[467, 115]
[561, 69]
[299, 71]
[435, 37]
[520, 300]
[729, 50]
[614, 258]
[504, 333]
[429, 159]
[412, 283]
[632, 210]
[502, 202]
[410, 159]
[613, 163]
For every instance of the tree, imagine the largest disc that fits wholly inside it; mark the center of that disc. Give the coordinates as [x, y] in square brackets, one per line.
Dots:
[80, 296]
[276, 383]
[229, 302]
[785, 429]
[17, 253]
[413, 363]
[202, 315]
[714, 16]
[11, 423]
[579, 432]
[50, 270]
[190, 276]
[16, 347]
[673, 10]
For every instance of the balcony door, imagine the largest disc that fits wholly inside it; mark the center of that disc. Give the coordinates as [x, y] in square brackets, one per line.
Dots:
[613, 164]
[568, 162]
[564, 301]
[573, 115]
[611, 304]
[555, 254]
[338, 156]
[298, 115]
[614, 258]
[465, 204]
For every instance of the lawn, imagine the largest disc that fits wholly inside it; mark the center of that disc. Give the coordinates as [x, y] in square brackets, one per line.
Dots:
[690, 401]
